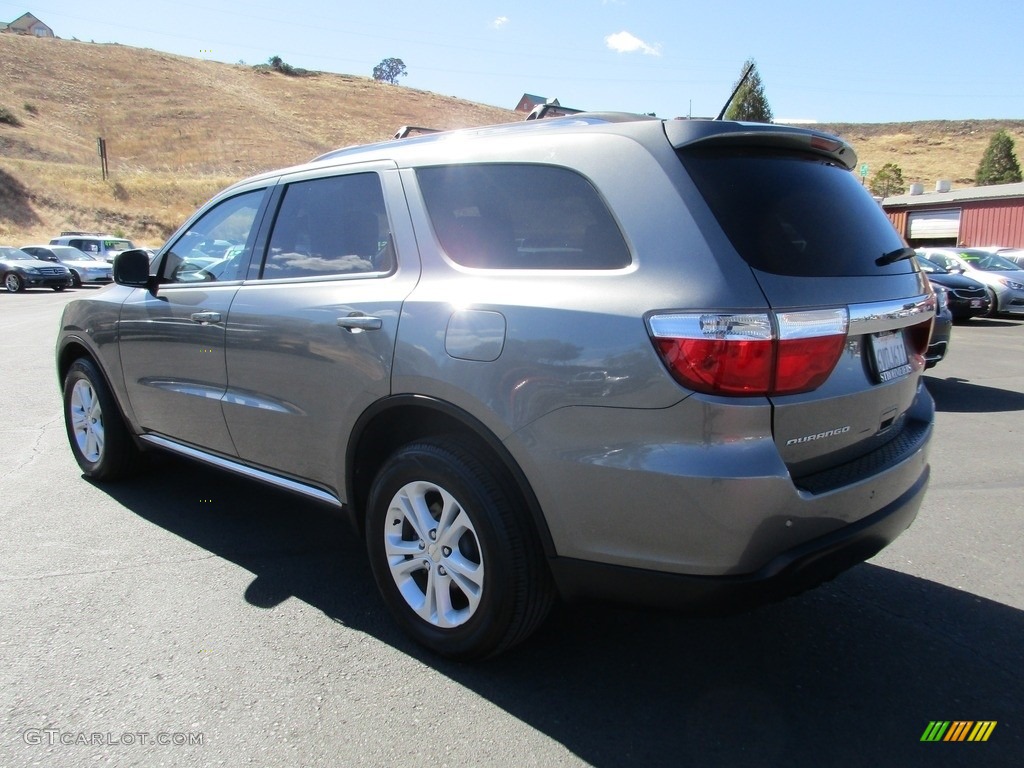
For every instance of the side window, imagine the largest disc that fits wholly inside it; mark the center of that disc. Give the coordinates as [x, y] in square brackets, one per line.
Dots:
[217, 246]
[330, 227]
[507, 216]
[88, 246]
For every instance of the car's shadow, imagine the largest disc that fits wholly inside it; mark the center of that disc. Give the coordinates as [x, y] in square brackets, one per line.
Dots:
[848, 674]
[955, 395]
[988, 322]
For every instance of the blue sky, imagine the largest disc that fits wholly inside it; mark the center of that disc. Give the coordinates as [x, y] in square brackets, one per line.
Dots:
[870, 61]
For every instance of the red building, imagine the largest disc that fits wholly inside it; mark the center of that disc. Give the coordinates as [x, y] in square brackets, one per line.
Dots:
[973, 217]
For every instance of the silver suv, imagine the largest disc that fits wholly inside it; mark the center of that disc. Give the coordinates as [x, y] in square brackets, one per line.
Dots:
[670, 362]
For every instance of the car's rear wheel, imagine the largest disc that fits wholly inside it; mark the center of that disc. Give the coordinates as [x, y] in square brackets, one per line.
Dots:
[457, 561]
[99, 439]
[13, 283]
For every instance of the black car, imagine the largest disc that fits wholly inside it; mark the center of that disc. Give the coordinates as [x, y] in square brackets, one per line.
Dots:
[19, 271]
[967, 297]
[942, 330]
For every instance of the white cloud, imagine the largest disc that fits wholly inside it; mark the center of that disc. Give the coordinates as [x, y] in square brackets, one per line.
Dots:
[625, 42]
[499, 22]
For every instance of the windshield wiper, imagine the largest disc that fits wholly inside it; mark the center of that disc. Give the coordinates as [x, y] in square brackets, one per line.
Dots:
[893, 256]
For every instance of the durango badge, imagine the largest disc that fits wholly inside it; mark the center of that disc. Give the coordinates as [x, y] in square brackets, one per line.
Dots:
[819, 436]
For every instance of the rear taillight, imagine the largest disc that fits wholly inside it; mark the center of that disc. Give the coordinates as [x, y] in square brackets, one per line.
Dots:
[918, 336]
[751, 354]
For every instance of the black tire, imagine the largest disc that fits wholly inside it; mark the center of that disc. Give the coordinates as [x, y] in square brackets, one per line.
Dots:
[99, 439]
[13, 283]
[993, 310]
[76, 281]
[492, 585]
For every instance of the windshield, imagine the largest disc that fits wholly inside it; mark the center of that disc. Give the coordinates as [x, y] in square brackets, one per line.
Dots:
[15, 254]
[929, 266]
[989, 262]
[74, 253]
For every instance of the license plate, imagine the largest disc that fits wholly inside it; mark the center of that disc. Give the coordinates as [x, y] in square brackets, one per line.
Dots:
[891, 361]
[975, 303]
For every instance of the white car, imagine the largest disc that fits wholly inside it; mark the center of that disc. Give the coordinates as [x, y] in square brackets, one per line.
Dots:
[1003, 278]
[84, 268]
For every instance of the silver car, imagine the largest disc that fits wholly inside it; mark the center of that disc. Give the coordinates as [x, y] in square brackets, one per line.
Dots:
[665, 362]
[1003, 278]
[84, 268]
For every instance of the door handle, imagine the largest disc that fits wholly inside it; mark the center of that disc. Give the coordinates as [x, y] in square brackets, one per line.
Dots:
[357, 322]
[205, 318]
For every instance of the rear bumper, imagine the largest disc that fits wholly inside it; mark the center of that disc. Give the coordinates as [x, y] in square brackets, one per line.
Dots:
[787, 574]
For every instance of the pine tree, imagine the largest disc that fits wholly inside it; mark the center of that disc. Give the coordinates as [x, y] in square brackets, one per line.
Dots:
[750, 104]
[998, 164]
[888, 181]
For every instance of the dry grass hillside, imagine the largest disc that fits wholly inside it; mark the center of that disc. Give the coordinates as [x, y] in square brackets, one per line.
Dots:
[178, 129]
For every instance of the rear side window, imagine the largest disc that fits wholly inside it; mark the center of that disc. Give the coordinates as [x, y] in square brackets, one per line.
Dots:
[794, 214]
[506, 216]
[327, 227]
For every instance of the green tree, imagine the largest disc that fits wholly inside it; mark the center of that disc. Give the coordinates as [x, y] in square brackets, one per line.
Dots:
[389, 70]
[888, 181]
[998, 164]
[749, 104]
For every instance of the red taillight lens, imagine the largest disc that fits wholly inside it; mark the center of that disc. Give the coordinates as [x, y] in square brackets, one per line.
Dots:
[919, 335]
[804, 364]
[725, 367]
[748, 354]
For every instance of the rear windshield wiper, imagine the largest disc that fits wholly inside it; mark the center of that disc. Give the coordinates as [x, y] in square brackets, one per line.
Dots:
[893, 256]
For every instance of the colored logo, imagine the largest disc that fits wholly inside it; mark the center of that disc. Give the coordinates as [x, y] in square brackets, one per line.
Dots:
[959, 730]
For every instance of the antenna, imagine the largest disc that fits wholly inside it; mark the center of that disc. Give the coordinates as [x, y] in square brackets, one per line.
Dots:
[721, 115]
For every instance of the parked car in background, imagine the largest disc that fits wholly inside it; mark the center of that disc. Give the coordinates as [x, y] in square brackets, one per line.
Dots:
[20, 270]
[661, 361]
[1016, 255]
[942, 330]
[102, 246]
[966, 297]
[1003, 278]
[84, 268]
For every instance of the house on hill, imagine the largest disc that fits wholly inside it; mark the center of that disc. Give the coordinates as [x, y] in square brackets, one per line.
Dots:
[529, 101]
[27, 24]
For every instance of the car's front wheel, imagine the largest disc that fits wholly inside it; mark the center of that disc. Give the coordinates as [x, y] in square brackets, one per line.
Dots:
[456, 559]
[76, 281]
[13, 283]
[99, 439]
[993, 309]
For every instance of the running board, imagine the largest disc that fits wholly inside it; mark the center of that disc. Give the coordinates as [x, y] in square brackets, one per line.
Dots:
[241, 469]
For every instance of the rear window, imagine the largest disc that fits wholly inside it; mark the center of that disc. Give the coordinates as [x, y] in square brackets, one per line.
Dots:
[507, 216]
[794, 214]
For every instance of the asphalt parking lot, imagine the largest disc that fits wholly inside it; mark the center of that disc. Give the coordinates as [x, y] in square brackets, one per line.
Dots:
[190, 618]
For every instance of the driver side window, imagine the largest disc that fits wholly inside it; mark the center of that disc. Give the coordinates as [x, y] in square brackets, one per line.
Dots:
[217, 247]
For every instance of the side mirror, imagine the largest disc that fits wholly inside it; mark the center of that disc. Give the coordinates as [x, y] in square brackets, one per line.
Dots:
[131, 268]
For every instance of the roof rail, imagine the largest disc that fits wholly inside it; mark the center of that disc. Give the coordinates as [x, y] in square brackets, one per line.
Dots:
[408, 130]
[80, 234]
[551, 110]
